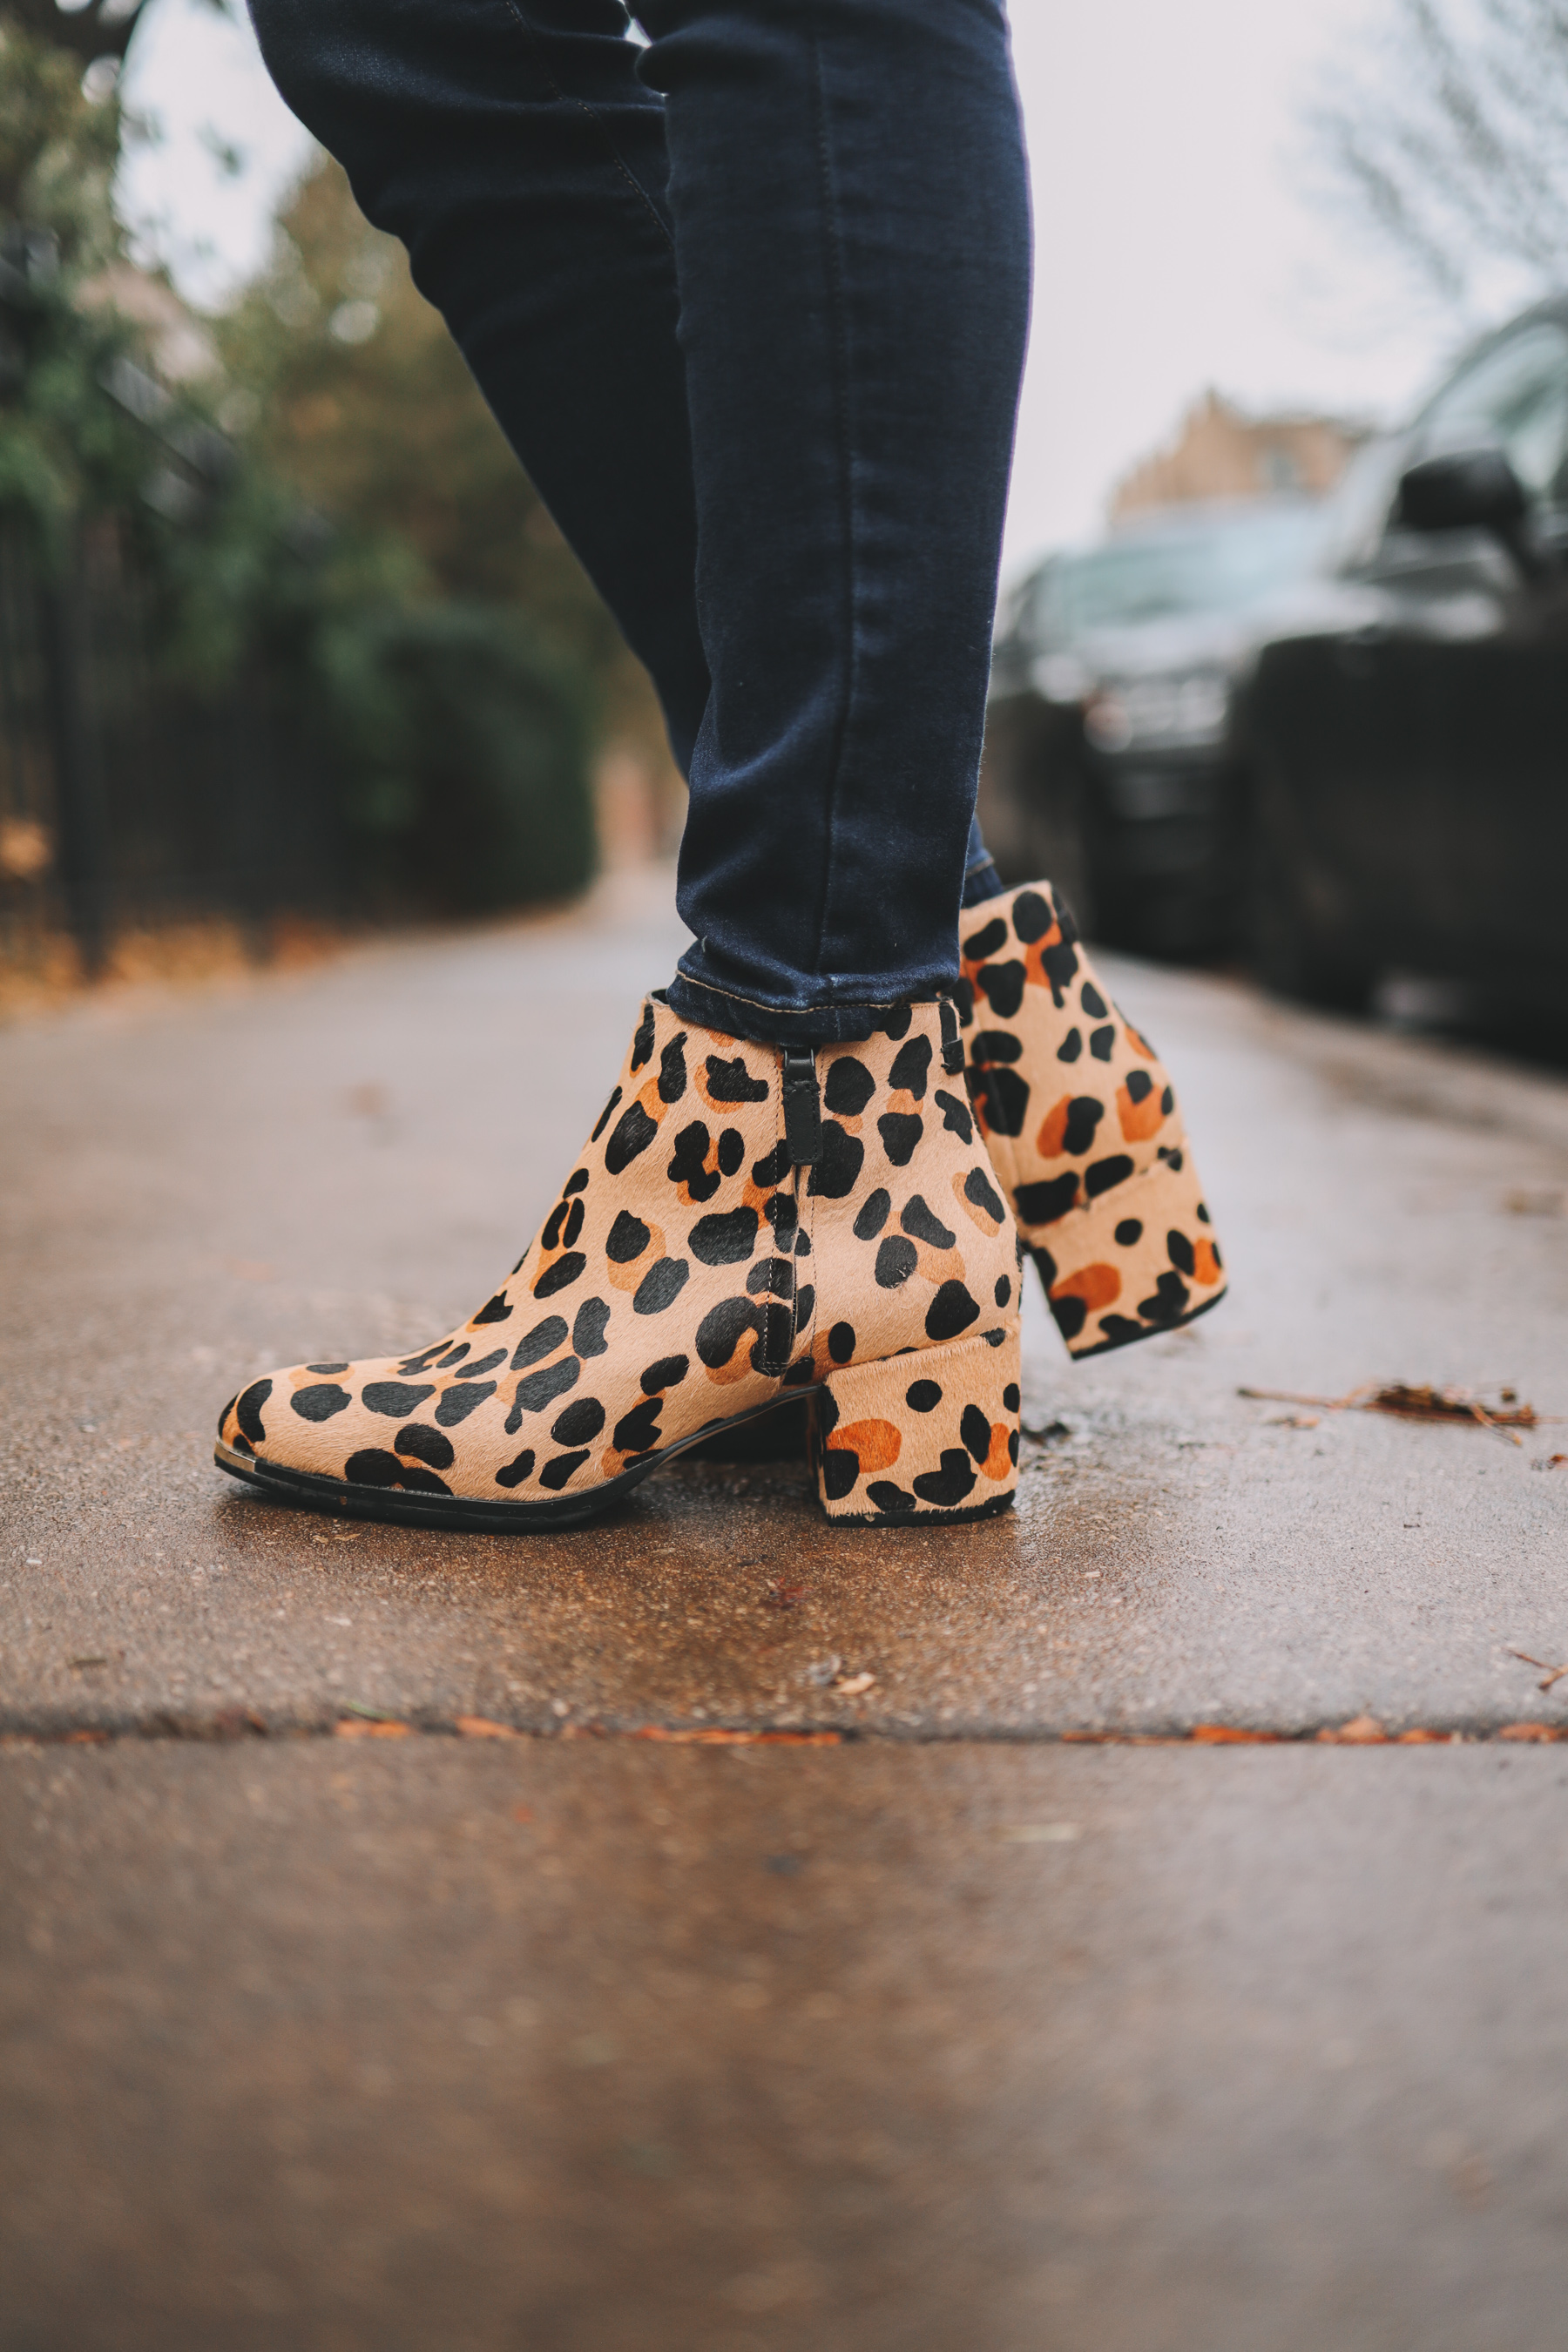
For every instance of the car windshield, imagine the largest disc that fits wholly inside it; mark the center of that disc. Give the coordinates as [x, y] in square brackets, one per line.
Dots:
[1215, 566]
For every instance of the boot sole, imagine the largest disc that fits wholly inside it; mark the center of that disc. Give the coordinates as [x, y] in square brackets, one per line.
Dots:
[309, 1490]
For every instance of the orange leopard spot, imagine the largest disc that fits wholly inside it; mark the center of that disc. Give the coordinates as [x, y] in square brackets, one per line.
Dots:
[874, 1443]
[998, 1463]
[1205, 1261]
[1034, 972]
[1051, 1142]
[1097, 1286]
[1140, 1120]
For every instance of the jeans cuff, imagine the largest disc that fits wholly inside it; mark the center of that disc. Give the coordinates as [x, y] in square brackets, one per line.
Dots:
[771, 1024]
[981, 881]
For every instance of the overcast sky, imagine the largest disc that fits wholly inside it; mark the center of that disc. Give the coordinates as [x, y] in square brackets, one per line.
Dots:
[1175, 246]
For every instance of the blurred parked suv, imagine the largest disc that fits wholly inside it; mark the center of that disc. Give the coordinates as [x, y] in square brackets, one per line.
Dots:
[1110, 762]
[1404, 731]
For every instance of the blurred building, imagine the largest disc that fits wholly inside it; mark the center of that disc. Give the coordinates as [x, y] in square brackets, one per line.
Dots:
[1220, 452]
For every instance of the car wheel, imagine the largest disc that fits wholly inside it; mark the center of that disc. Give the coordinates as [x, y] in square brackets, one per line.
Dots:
[1290, 952]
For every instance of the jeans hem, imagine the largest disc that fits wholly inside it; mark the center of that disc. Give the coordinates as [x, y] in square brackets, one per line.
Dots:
[774, 1024]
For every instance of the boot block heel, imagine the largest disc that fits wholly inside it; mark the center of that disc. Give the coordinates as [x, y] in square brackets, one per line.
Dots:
[929, 1435]
[1139, 1260]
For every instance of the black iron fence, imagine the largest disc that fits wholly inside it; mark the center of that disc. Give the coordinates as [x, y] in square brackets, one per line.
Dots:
[127, 798]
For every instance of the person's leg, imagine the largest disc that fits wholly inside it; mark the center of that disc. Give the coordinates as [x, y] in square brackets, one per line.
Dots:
[849, 203]
[516, 154]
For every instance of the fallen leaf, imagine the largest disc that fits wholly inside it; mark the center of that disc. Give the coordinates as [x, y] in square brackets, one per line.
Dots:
[1228, 1735]
[1424, 1738]
[350, 1726]
[1553, 1462]
[480, 1726]
[1552, 1673]
[740, 1738]
[853, 1685]
[1530, 1731]
[1361, 1731]
[1420, 1400]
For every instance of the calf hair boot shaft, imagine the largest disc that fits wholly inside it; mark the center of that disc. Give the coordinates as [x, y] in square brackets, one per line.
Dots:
[745, 1224]
[1083, 1129]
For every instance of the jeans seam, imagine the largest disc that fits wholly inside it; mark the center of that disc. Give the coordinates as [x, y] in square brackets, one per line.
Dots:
[840, 343]
[531, 34]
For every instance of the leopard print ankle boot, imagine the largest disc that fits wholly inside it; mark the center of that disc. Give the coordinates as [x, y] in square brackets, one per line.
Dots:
[745, 1225]
[1082, 1127]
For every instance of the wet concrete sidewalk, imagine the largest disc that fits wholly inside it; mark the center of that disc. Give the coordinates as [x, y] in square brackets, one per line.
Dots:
[947, 2035]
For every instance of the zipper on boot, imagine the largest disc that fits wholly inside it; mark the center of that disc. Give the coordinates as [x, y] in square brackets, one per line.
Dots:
[803, 1140]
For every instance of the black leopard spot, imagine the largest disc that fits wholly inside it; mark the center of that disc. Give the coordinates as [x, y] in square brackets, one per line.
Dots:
[911, 1067]
[1071, 1047]
[1007, 1100]
[636, 1431]
[1104, 1175]
[732, 1150]
[732, 1081]
[841, 1342]
[955, 1119]
[889, 1497]
[343, 1368]
[1167, 1102]
[600, 1125]
[1140, 1085]
[726, 1239]
[849, 1088]
[516, 1472]
[771, 1277]
[1010, 1397]
[1119, 1328]
[873, 1215]
[802, 1243]
[996, 1045]
[688, 1166]
[668, 1373]
[642, 1043]
[1072, 1315]
[780, 1213]
[1032, 917]
[1128, 1231]
[774, 1167]
[1084, 1115]
[1169, 1302]
[542, 1341]
[224, 1415]
[661, 1287]
[631, 1133]
[803, 1304]
[453, 1356]
[427, 1445]
[985, 941]
[901, 1131]
[1183, 1258]
[840, 1468]
[394, 1397]
[964, 997]
[918, 1219]
[923, 1396]
[462, 1399]
[1204, 1219]
[320, 1403]
[894, 1022]
[628, 1238]
[1042, 1204]
[843, 1154]
[947, 1487]
[576, 1182]
[540, 1389]
[374, 1468]
[1059, 964]
[494, 1310]
[561, 1275]
[1093, 1004]
[1002, 985]
[722, 1328]
[672, 1070]
[588, 1330]
[415, 1367]
[896, 1261]
[555, 1474]
[951, 1311]
[583, 1419]
[550, 1231]
[1102, 1042]
[982, 1195]
[1003, 1291]
[975, 1432]
[573, 1225]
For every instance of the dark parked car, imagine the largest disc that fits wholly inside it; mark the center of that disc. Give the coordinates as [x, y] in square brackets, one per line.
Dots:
[1108, 760]
[1406, 730]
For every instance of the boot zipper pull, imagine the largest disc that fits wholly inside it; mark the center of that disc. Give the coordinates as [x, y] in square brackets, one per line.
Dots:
[801, 1107]
[951, 1043]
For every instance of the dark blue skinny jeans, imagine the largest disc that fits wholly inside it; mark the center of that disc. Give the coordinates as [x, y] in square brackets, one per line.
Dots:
[750, 304]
